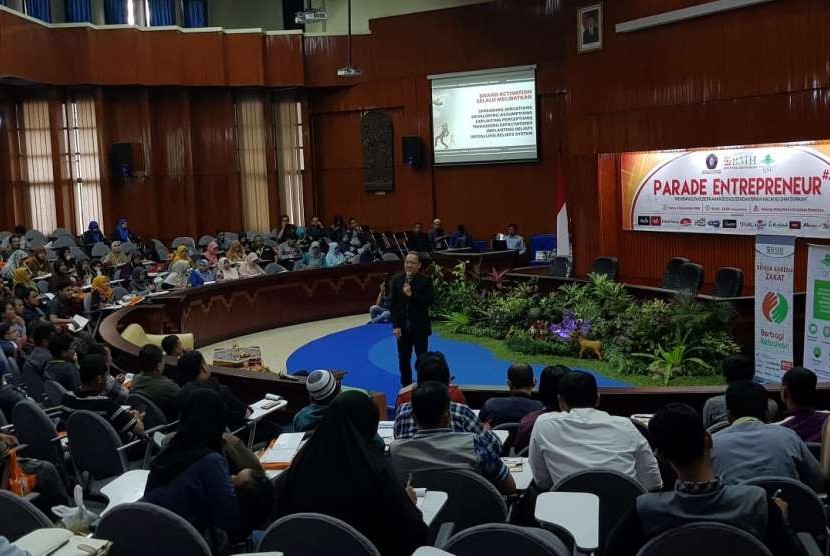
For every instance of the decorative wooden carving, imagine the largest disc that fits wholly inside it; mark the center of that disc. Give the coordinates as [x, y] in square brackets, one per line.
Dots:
[378, 152]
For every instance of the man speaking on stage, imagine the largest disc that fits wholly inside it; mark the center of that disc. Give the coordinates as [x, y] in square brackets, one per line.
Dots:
[411, 298]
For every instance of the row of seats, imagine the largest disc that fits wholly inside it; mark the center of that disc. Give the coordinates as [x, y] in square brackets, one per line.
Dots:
[680, 275]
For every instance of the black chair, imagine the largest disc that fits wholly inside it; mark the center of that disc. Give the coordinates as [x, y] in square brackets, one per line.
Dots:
[35, 429]
[153, 415]
[729, 282]
[96, 450]
[671, 276]
[617, 494]
[54, 392]
[497, 539]
[606, 266]
[715, 539]
[560, 267]
[472, 499]
[313, 534]
[512, 429]
[806, 512]
[33, 382]
[691, 278]
[19, 517]
[140, 529]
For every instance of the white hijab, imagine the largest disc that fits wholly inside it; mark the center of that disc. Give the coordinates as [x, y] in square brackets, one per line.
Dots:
[250, 268]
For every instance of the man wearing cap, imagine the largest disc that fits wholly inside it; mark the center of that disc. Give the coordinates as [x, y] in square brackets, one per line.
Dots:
[322, 389]
[411, 298]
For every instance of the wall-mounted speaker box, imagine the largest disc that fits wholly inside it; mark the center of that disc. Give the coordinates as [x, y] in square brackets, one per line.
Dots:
[413, 151]
[127, 159]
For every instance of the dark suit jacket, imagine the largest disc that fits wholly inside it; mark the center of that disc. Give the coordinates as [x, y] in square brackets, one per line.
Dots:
[419, 242]
[415, 307]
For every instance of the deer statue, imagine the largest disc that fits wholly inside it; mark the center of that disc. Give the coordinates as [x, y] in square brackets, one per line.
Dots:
[589, 345]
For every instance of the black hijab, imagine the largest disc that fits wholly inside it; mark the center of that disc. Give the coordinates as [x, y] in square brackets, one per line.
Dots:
[340, 473]
[202, 422]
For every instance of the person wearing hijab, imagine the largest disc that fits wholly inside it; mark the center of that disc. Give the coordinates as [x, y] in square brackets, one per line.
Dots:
[226, 271]
[122, 232]
[102, 294]
[116, 256]
[139, 281]
[313, 259]
[37, 263]
[250, 268]
[201, 274]
[211, 254]
[177, 276]
[22, 281]
[93, 235]
[334, 257]
[362, 478]
[190, 477]
[182, 253]
[15, 260]
[236, 253]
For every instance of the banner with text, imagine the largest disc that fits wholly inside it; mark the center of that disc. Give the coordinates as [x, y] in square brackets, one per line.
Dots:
[817, 320]
[780, 189]
[774, 269]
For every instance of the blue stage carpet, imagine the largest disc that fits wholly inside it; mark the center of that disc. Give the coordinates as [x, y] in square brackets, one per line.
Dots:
[370, 356]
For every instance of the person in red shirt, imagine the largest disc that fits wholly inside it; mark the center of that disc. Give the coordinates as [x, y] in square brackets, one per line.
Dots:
[431, 365]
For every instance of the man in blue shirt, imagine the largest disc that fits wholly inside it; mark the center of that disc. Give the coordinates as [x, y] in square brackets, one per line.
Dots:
[322, 388]
[513, 408]
[514, 240]
[437, 446]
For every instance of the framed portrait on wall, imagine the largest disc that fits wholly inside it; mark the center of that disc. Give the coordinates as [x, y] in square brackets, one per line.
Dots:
[589, 28]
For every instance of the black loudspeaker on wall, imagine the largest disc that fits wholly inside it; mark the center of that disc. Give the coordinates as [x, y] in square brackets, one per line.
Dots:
[122, 159]
[413, 151]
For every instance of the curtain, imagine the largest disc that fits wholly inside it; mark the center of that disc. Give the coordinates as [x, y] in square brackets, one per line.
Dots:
[115, 12]
[162, 12]
[40, 9]
[252, 151]
[195, 13]
[85, 164]
[36, 171]
[289, 145]
[78, 11]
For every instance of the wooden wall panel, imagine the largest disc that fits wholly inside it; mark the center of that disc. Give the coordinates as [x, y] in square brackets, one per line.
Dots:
[204, 60]
[163, 57]
[110, 56]
[284, 60]
[244, 59]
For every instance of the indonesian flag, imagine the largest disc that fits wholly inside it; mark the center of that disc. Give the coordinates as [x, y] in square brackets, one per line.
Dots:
[563, 239]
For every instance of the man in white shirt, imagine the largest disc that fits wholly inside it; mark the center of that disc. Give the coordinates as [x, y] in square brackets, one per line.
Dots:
[582, 438]
[514, 240]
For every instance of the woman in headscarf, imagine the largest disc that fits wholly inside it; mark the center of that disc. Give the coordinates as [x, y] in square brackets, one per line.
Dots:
[177, 276]
[102, 294]
[190, 477]
[362, 478]
[140, 282]
[15, 260]
[226, 271]
[93, 235]
[201, 274]
[313, 259]
[22, 282]
[250, 268]
[181, 254]
[334, 257]
[236, 253]
[37, 263]
[116, 256]
[122, 232]
[211, 254]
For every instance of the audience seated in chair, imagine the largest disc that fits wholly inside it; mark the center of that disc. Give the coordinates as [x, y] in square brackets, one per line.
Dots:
[177, 276]
[263, 251]
[90, 396]
[93, 235]
[340, 473]
[549, 395]
[750, 447]
[381, 311]
[699, 494]
[250, 267]
[511, 409]
[201, 274]
[798, 392]
[437, 446]
[236, 253]
[582, 437]
[226, 271]
[102, 294]
[192, 373]
[151, 383]
[60, 309]
[116, 256]
[115, 384]
[514, 240]
[32, 312]
[314, 258]
[735, 367]
[62, 366]
[418, 240]
[190, 477]
[172, 346]
[431, 365]
[322, 388]
[334, 256]
[40, 355]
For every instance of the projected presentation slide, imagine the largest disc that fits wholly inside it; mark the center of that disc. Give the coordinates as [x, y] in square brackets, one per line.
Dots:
[484, 116]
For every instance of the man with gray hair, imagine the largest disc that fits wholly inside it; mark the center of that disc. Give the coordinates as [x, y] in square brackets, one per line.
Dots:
[411, 298]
